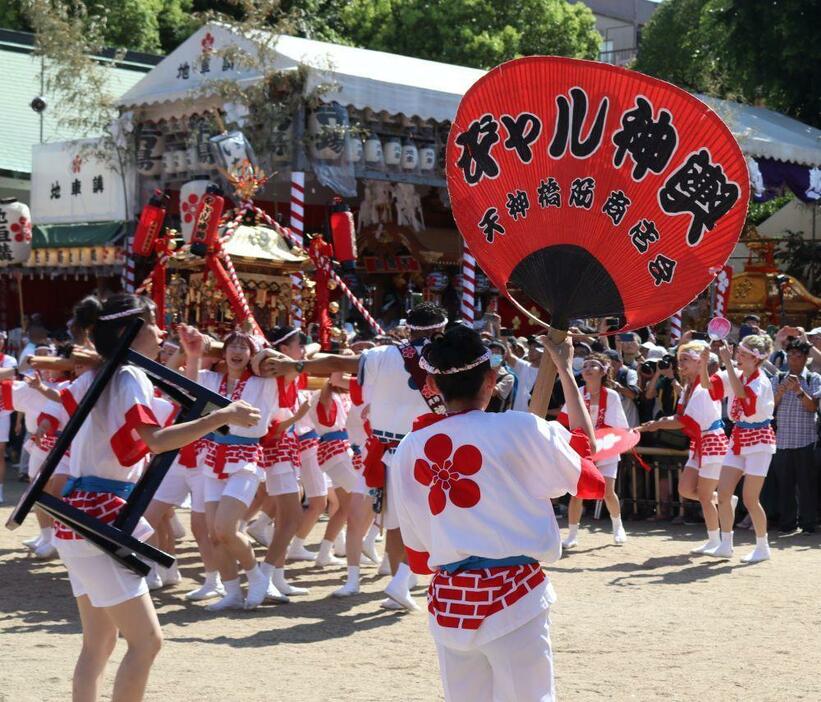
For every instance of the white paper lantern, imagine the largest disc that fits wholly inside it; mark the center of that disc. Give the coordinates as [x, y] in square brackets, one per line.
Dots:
[427, 157]
[373, 151]
[15, 232]
[353, 149]
[190, 197]
[282, 140]
[393, 151]
[410, 156]
[327, 125]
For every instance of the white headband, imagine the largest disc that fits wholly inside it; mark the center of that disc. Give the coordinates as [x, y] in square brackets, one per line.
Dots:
[694, 355]
[753, 352]
[120, 315]
[282, 339]
[414, 327]
[424, 365]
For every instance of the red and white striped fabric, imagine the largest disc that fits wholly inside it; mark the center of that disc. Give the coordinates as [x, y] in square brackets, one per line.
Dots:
[465, 599]
[281, 451]
[104, 506]
[468, 308]
[714, 445]
[298, 237]
[219, 457]
[675, 328]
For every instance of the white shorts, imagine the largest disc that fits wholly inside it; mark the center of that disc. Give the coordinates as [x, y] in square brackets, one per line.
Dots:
[5, 427]
[241, 485]
[750, 464]
[281, 483]
[710, 466]
[609, 469]
[104, 581]
[311, 476]
[178, 484]
[343, 475]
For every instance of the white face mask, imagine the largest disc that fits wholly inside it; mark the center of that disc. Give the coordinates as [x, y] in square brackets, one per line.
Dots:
[577, 365]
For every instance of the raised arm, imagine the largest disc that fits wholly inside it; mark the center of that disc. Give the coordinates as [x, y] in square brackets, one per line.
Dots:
[577, 414]
[321, 364]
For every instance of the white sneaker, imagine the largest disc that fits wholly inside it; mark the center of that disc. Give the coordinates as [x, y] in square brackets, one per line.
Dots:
[569, 542]
[384, 566]
[705, 547]
[260, 532]
[257, 591]
[619, 536]
[346, 591]
[227, 602]
[721, 551]
[402, 598]
[760, 553]
[206, 592]
[153, 579]
[322, 561]
[45, 552]
[388, 603]
[300, 554]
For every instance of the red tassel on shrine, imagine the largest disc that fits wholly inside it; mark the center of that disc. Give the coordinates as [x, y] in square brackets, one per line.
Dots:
[150, 224]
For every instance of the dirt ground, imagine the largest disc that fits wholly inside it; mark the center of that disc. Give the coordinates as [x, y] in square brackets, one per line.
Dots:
[642, 622]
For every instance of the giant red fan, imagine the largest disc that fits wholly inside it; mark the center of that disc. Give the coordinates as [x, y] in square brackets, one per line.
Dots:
[595, 190]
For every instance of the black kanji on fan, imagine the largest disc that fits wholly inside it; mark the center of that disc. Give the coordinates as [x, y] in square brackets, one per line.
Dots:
[662, 269]
[616, 206]
[517, 204]
[522, 132]
[581, 192]
[489, 224]
[700, 188]
[569, 128]
[476, 142]
[642, 234]
[549, 193]
[649, 143]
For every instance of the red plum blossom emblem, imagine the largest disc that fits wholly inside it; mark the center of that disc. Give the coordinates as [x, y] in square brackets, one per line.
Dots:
[444, 472]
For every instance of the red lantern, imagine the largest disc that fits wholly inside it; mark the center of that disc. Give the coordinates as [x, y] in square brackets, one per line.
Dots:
[595, 190]
[207, 223]
[150, 224]
[343, 231]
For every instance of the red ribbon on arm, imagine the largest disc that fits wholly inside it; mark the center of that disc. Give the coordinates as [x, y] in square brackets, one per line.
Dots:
[591, 482]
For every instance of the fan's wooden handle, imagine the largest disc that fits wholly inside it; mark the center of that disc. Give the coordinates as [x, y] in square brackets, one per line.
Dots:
[546, 378]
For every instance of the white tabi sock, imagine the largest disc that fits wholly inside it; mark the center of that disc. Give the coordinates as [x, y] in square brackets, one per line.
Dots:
[325, 548]
[727, 538]
[46, 535]
[296, 543]
[267, 569]
[616, 523]
[761, 541]
[714, 537]
[254, 573]
[572, 531]
[353, 576]
[370, 537]
[212, 578]
[400, 580]
[232, 587]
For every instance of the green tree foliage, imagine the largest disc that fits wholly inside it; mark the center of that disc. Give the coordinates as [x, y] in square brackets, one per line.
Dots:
[758, 52]
[480, 33]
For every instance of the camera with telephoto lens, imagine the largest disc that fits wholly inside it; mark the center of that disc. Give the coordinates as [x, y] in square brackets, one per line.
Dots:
[666, 362]
[649, 367]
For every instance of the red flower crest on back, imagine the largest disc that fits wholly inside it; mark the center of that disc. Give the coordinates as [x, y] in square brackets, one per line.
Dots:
[444, 472]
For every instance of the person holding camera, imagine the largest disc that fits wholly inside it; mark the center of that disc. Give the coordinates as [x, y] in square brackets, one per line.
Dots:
[604, 405]
[663, 386]
[796, 394]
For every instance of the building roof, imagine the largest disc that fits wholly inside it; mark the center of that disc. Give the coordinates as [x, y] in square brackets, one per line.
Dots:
[625, 10]
[20, 82]
[426, 89]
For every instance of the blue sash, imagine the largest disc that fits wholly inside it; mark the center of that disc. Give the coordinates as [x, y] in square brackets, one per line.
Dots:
[754, 425]
[311, 434]
[477, 563]
[232, 439]
[718, 424]
[334, 436]
[91, 483]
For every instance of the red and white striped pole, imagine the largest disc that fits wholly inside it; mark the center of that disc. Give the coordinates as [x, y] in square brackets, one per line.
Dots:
[468, 286]
[298, 231]
[675, 328]
[129, 269]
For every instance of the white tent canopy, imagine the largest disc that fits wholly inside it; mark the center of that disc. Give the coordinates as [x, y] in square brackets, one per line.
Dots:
[400, 85]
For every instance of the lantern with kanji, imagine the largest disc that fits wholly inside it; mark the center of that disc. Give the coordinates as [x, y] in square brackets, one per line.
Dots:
[15, 232]
[150, 225]
[327, 126]
[206, 222]
[191, 194]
